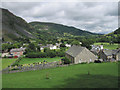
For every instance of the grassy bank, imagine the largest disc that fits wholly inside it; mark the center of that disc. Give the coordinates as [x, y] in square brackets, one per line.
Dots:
[6, 62]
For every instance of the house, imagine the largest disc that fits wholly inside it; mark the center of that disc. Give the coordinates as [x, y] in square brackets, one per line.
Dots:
[96, 48]
[110, 55]
[17, 52]
[116, 54]
[106, 55]
[50, 46]
[78, 54]
[6, 55]
[67, 45]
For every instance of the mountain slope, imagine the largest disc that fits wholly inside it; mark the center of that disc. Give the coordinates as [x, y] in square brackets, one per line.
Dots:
[58, 29]
[14, 27]
[117, 31]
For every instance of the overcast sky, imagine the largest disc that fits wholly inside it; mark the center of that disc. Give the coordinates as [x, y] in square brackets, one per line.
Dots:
[98, 17]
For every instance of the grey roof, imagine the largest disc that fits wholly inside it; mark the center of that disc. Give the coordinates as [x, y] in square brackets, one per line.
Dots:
[111, 52]
[108, 52]
[75, 50]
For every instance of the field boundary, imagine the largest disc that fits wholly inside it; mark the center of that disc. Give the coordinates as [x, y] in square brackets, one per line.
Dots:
[32, 67]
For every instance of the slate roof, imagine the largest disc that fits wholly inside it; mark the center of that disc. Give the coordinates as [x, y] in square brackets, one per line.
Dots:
[75, 50]
[116, 51]
[111, 52]
[108, 52]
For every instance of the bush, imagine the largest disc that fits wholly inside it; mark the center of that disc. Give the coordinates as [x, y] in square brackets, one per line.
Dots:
[60, 53]
[49, 53]
[66, 60]
[97, 61]
[83, 63]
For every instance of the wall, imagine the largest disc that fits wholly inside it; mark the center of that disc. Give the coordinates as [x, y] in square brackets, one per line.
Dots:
[85, 56]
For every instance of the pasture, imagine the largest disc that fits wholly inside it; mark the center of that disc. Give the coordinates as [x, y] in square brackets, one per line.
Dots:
[101, 75]
[7, 61]
[107, 45]
[34, 60]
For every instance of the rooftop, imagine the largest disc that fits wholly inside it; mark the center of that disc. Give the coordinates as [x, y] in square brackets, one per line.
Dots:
[75, 50]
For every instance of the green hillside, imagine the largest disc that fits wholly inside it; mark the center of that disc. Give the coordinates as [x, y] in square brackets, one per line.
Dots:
[117, 31]
[59, 29]
[14, 27]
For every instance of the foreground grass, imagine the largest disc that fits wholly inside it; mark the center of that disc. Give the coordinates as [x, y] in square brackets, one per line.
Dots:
[33, 60]
[102, 75]
[6, 62]
[107, 45]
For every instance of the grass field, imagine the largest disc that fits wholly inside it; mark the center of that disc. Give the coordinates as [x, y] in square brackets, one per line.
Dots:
[33, 60]
[6, 62]
[107, 45]
[102, 75]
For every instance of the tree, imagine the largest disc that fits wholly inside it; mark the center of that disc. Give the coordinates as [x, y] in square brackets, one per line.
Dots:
[75, 43]
[62, 45]
[86, 44]
[31, 46]
[46, 49]
[66, 60]
[7, 47]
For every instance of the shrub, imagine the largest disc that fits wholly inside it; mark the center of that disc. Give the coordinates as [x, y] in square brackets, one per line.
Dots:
[83, 63]
[66, 60]
[60, 53]
[97, 61]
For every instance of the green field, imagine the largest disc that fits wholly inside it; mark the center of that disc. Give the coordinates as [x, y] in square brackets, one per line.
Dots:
[107, 45]
[33, 60]
[102, 75]
[6, 62]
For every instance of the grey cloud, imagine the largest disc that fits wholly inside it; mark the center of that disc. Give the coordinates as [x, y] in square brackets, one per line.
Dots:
[92, 16]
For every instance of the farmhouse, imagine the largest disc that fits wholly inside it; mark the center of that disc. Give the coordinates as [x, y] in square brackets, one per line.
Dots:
[108, 55]
[96, 48]
[17, 52]
[6, 55]
[116, 54]
[50, 46]
[67, 45]
[78, 54]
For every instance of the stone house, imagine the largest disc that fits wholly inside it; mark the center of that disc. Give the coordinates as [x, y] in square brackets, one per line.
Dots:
[96, 48]
[78, 54]
[6, 55]
[50, 46]
[106, 55]
[67, 45]
[17, 52]
[109, 55]
[116, 54]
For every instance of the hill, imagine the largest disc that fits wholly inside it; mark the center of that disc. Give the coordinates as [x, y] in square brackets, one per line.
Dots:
[117, 31]
[14, 27]
[59, 29]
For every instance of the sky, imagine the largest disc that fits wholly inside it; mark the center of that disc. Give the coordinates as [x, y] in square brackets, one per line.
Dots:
[96, 17]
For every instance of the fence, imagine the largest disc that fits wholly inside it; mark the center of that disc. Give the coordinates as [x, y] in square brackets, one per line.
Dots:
[32, 67]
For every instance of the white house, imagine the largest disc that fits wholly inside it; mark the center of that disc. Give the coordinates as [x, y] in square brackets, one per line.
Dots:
[67, 45]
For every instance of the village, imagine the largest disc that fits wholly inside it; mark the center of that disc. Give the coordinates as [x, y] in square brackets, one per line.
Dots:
[56, 44]
[74, 54]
